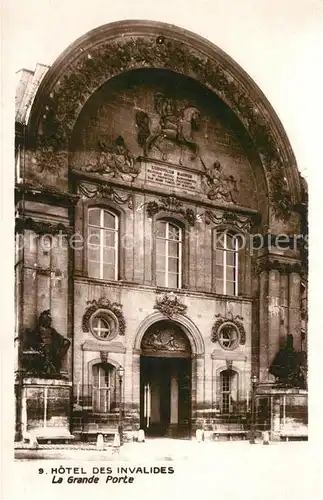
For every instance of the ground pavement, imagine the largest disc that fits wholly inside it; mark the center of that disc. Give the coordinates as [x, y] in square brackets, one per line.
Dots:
[160, 449]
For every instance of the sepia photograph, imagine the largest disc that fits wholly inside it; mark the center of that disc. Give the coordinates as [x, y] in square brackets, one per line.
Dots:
[161, 244]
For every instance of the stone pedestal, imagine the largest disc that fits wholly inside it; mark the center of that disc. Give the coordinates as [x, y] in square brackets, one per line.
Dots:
[46, 409]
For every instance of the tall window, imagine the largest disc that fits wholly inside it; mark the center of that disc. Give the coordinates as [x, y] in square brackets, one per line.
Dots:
[103, 389]
[226, 391]
[102, 245]
[168, 255]
[225, 262]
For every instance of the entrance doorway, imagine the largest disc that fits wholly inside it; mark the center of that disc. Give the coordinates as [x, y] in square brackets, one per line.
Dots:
[165, 381]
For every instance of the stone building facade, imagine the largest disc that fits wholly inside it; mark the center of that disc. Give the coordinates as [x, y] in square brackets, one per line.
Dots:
[153, 178]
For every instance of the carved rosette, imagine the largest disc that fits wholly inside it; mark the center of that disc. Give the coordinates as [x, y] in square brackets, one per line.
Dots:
[89, 191]
[173, 205]
[94, 67]
[104, 303]
[229, 319]
[169, 305]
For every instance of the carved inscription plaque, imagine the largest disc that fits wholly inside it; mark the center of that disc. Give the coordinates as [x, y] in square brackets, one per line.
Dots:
[172, 177]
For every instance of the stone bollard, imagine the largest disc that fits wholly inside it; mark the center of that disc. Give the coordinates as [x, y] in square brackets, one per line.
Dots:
[100, 442]
[199, 435]
[141, 436]
[33, 443]
[265, 437]
[116, 440]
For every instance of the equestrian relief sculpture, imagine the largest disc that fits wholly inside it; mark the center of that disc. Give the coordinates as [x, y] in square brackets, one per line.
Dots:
[166, 123]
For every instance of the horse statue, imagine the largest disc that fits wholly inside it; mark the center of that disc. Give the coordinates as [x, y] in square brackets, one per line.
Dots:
[166, 124]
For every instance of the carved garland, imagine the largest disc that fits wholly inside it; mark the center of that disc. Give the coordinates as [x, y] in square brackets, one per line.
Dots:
[41, 227]
[170, 204]
[170, 305]
[103, 303]
[104, 191]
[236, 320]
[282, 267]
[228, 218]
[95, 66]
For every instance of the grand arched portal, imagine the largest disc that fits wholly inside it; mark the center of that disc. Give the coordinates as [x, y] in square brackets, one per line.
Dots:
[165, 380]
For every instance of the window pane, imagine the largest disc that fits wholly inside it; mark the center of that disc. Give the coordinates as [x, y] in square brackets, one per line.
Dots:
[218, 239]
[230, 258]
[93, 236]
[160, 279]
[219, 254]
[173, 265]
[230, 273]
[108, 272]
[109, 238]
[108, 255]
[94, 216]
[160, 263]
[161, 229]
[219, 286]
[173, 232]
[94, 269]
[161, 247]
[219, 272]
[93, 253]
[109, 220]
[173, 249]
[230, 241]
[230, 288]
[172, 280]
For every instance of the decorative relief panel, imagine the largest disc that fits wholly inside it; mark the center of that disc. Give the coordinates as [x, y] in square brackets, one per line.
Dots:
[114, 311]
[114, 160]
[165, 340]
[173, 205]
[218, 186]
[88, 191]
[41, 227]
[95, 66]
[281, 267]
[239, 221]
[168, 123]
[228, 331]
[169, 304]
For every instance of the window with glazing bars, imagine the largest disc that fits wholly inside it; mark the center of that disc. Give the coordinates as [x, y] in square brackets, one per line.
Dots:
[225, 262]
[102, 244]
[168, 255]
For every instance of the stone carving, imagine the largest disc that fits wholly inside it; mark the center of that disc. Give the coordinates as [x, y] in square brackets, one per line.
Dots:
[41, 227]
[166, 123]
[93, 68]
[289, 367]
[229, 319]
[281, 267]
[170, 204]
[104, 355]
[219, 187]
[115, 159]
[169, 305]
[50, 161]
[87, 190]
[242, 222]
[164, 340]
[104, 303]
[44, 349]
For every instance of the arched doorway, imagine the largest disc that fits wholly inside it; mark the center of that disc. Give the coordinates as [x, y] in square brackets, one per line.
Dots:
[165, 380]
